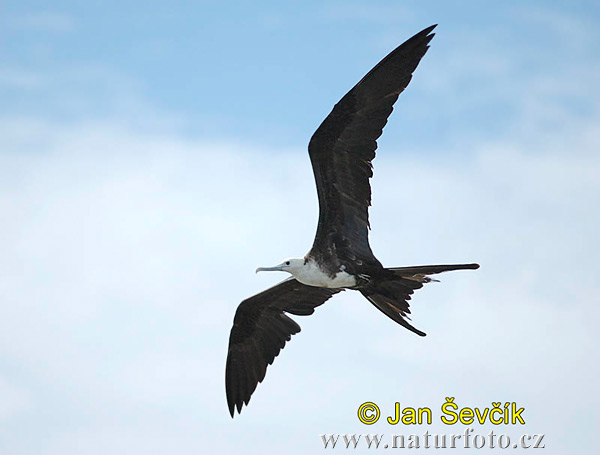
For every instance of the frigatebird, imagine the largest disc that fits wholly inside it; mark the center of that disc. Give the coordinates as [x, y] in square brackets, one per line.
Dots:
[341, 151]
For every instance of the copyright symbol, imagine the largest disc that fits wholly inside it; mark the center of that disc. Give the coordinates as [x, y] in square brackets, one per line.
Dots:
[368, 413]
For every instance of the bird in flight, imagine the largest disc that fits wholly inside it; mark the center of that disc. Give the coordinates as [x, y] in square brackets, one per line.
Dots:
[341, 151]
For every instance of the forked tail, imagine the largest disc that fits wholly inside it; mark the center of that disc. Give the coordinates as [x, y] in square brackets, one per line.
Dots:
[391, 294]
[431, 269]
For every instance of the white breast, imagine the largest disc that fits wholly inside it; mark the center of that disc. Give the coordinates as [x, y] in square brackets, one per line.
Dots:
[312, 275]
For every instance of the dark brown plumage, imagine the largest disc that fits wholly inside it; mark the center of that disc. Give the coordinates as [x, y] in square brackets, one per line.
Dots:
[341, 152]
[260, 330]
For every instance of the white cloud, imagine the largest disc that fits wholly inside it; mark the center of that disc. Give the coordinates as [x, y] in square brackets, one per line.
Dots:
[13, 401]
[120, 250]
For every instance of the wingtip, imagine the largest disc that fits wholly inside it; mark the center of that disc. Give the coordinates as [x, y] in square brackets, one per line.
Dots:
[230, 405]
[429, 29]
[426, 35]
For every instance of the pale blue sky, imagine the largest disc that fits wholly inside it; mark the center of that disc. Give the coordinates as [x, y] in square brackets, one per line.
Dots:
[269, 73]
[153, 154]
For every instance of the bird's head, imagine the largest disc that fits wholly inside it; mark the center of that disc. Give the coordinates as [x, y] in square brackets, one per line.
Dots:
[289, 265]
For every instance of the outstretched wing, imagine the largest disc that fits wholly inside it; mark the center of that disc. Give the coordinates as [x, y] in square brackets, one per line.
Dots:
[260, 330]
[342, 148]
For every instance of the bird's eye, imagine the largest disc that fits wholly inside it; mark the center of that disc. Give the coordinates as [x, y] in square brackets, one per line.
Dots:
[287, 262]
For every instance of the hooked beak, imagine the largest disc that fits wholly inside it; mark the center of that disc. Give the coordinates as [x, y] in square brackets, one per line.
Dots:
[277, 268]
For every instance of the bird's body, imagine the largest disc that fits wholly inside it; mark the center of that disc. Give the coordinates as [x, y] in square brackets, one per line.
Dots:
[311, 274]
[341, 151]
